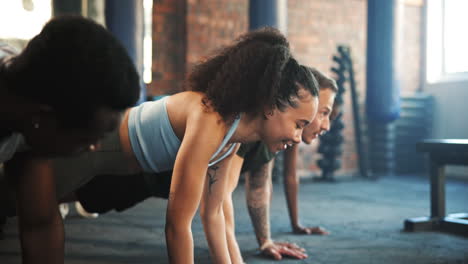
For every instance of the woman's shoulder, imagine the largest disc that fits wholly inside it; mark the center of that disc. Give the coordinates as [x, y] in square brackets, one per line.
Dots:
[196, 109]
[187, 97]
[194, 104]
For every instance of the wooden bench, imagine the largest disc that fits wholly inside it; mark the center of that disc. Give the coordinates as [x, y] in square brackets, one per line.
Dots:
[441, 152]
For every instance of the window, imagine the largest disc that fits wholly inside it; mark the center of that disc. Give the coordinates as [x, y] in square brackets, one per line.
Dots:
[447, 40]
[147, 40]
[23, 19]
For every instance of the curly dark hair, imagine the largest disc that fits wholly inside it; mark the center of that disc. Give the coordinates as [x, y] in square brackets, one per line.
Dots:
[256, 72]
[76, 66]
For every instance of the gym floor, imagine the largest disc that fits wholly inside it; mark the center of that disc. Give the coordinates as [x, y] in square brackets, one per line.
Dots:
[365, 219]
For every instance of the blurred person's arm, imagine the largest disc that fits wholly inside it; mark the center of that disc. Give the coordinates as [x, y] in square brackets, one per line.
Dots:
[40, 224]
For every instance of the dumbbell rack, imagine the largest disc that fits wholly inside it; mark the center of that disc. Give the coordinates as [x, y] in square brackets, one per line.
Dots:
[331, 143]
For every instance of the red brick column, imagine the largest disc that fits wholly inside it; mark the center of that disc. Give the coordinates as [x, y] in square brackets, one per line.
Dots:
[169, 46]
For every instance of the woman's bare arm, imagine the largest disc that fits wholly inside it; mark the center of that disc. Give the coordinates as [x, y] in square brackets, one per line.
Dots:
[204, 133]
[291, 188]
[291, 184]
[228, 208]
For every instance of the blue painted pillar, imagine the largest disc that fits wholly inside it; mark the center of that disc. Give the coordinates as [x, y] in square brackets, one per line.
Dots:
[383, 93]
[263, 13]
[124, 18]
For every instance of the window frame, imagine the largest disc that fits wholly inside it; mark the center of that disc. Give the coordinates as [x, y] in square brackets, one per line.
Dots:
[435, 46]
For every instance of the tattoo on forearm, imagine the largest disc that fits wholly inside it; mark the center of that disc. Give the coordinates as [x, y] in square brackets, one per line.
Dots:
[212, 176]
[260, 177]
[260, 221]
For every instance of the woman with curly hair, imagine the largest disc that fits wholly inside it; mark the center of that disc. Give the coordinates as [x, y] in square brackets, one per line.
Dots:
[251, 90]
[256, 161]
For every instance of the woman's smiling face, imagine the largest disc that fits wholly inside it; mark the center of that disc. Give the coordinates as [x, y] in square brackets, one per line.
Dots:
[321, 123]
[284, 128]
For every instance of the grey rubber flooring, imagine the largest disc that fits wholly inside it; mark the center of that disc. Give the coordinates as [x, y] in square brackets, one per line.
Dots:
[365, 219]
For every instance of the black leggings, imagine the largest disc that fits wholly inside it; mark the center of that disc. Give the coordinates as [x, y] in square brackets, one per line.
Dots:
[120, 192]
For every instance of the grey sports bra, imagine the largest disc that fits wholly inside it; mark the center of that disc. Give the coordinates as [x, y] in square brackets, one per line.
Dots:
[153, 139]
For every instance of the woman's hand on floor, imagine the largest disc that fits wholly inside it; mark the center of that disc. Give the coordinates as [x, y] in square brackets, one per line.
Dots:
[278, 250]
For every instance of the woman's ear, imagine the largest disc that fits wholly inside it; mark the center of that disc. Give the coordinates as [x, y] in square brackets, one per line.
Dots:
[268, 112]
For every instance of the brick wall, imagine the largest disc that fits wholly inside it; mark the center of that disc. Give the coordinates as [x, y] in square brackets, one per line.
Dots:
[211, 24]
[315, 28]
[169, 46]
[186, 31]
